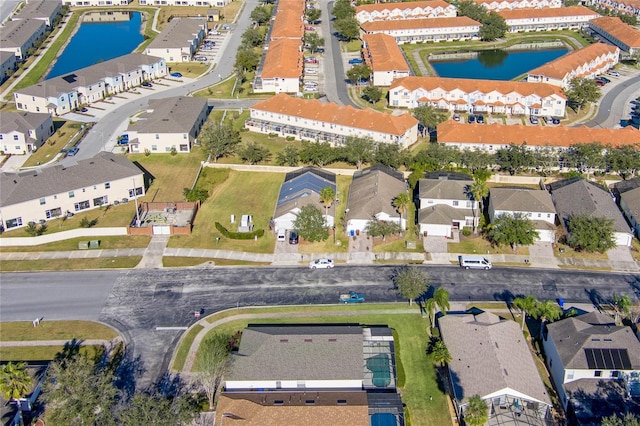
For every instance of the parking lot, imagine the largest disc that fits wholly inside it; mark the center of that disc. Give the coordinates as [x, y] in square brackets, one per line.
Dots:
[210, 46]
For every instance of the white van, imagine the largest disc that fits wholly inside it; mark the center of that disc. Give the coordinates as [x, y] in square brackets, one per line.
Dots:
[281, 235]
[474, 262]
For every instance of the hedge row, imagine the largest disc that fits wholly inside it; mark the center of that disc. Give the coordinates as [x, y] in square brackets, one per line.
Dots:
[239, 235]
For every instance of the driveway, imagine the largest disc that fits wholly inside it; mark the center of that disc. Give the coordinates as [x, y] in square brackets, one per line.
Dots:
[620, 254]
[435, 244]
[541, 249]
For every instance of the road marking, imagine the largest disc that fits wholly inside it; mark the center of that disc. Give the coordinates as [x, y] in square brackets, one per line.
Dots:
[170, 328]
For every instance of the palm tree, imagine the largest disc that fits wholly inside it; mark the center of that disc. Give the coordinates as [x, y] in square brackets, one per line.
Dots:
[401, 203]
[440, 353]
[547, 311]
[478, 190]
[442, 299]
[526, 305]
[15, 381]
[327, 197]
[477, 411]
[430, 306]
[622, 305]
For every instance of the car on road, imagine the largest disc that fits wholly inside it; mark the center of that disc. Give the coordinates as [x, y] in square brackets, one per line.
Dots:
[471, 118]
[352, 297]
[480, 119]
[355, 61]
[73, 151]
[146, 84]
[614, 73]
[321, 264]
[176, 74]
[534, 120]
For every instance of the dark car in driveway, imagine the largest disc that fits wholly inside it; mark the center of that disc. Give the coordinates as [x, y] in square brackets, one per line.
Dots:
[146, 84]
[293, 238]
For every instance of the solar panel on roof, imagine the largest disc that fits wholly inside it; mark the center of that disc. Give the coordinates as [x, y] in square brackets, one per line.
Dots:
[608, 359]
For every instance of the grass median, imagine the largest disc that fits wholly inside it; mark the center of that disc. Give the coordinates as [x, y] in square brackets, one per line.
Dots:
[70, 264]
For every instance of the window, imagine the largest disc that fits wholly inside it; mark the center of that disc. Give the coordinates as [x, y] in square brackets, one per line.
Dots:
[157, 136]
[597, 373]
[154, 147]
[82, 205]
[43, 201]
[107, 185]
[53, 213]
[569, 375]
[184, 147]
[15, 137]
[97, 202]
[137, 192]
[184, 136]
[71, 194]
[12, 223]
[455, 203]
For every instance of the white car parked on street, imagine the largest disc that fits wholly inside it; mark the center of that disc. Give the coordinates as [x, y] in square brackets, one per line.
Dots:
[321, 264]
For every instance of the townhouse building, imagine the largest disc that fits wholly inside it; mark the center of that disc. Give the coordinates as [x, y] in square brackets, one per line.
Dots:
[65, 93]
[313, 120]
[43, 10]
[179, 40]
[424, 30]
[490, 96]
[168, 124]
[631, 7]
[19, 36]
[492, 137]
[561, 18]
[386, 60]
[22, 132]
[499, 5]
[192, 3]
[282, 67]
[405, 10]
[52, 192]
[8, 64]
[93, 3]
[616, 32]
[587, 62]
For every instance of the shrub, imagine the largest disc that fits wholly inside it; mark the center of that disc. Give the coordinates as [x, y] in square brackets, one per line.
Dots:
[466, 232]
[239, 235]
[86, 223]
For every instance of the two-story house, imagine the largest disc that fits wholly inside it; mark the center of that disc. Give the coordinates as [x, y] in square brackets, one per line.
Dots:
[628, 195]
[446, 205]
[535, 205]
[22, 132]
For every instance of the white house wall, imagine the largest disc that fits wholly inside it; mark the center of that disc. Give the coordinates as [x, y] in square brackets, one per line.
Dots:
[385, 78]
[435, 230]
[548, 23]
[623, 239]
[421, 34]
[291, 385]
[86, 3]
[279, 85]
[555, 366]
[286, 221]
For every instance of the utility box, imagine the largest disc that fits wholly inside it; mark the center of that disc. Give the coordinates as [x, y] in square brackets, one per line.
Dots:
[83, 245]
[410, 244]
[94, 244]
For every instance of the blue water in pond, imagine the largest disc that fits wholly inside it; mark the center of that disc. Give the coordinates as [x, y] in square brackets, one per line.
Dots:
[496, 64]
[98, 42]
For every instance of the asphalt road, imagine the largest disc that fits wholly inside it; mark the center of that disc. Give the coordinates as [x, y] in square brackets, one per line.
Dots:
[611, 106]
[138, 301]
[336, 88]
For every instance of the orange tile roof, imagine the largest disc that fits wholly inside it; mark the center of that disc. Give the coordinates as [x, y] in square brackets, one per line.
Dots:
[618, 29]
[288, 24]
[556, 136]
[384, 53]
[621, 4]
[283, 59]
[485, 86]
[547, 12]
[341, 115]
[562, 66]
[410, 24]
[379, 7]
[294, 5]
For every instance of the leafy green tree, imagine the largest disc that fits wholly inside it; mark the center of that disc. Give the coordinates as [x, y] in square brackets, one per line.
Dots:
[582, 91]
[546, 311]
[348, 28]
[359, 73]
[622, 305]
[253, 153]
[475, 160]
[629, 419]
[252, 37]
[357, 150]
[391, 155]
[440, 353]
[402, 202]
[513, 230]
[586, 156]
[327, 197]
[247, 59]
[312, 15]
[151, 408]
[309, 224]
[429, 116]
[343, 9]
[436, 156]
[476, 413]
[590, 234]
[34, 230]
[15, 381]
[195, 194]
[411, 282]
[514, 158]
[493, 27]
[219, 140]
[372, 94]
[377, 228]
[317, 153]
[473, 10]
[289, 156]
[431, 307]
[261, 14]
[628, 19]
[441, 296]
[624, 160]
[526, 305]
[313, 40]
[417, 173]
[212, 362]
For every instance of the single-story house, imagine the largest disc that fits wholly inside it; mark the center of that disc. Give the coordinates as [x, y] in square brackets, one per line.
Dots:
[22, 132]
[628, 194]
[93, 3]
[446, 205]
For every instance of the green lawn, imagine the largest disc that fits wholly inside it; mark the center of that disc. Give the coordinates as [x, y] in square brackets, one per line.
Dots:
[183, 349]
[65, 130]
[42, 353]
[187, 69]
[477, 244]
[20, 331]
[69, 264]
[420, 379]
[113, 242]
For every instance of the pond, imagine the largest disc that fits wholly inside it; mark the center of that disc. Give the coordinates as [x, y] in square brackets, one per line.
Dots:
[495, 64]
[99, 39]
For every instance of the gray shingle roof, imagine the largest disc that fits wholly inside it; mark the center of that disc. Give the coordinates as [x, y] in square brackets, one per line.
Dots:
[21, 121]
[25, 186]
[170, 115]
[444, 189]
[572, 335]
[372, 191]
[632, 200]
[38, 9]
[575, 197]
[178, 33]
[527, 200]
[442, 214]
[299, 353]
[488, 355]
[15, 33]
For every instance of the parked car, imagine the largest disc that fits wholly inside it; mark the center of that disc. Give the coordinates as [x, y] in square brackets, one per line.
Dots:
[321, 264]
[84, 109]
[281, 235]
[355, 61]
[471, 118]
[123, 139]
[605, 79]
[456, 117]
[614, 73]
[309, 29]
[176, 74]
[312, 71]
[146, 84]
[555, 120]
[310, 60]
[73, 151]
[600, 83]
[480, 119]
[319, 50]
[293, 238]
[534, 120]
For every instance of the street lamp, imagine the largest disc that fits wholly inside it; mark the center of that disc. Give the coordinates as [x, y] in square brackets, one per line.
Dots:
[135, 198]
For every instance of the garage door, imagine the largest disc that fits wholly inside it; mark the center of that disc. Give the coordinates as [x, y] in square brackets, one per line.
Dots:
[161, 230]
